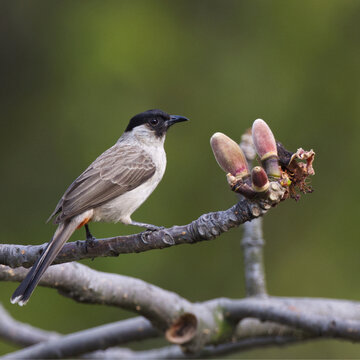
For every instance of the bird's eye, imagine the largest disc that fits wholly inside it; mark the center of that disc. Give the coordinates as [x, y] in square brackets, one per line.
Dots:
[154, 122]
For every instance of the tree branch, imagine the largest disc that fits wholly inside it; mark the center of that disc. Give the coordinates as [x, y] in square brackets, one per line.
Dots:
[320, 317]
[252, 245]
[174, 352]
[86, 285]
[88, 340]
[206, 227]
[212, 322]
[19, 333]
[252, 242]
[205, 329]
[249, 334]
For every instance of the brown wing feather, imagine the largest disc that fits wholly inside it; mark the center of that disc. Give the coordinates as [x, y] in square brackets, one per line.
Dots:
[116, 171]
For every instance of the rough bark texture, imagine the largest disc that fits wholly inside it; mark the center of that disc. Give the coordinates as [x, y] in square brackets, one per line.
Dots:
[252, 245]
[206, 227]
[218, 321]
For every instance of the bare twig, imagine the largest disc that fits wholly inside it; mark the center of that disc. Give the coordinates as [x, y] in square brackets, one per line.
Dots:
[206, 227]
[249, 333]
[19, 333]
[174, 352]
[252, 244]
[320, 317]
[25, 335]
[88, 340]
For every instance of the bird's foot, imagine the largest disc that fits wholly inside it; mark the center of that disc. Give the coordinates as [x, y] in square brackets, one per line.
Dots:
[90, 239]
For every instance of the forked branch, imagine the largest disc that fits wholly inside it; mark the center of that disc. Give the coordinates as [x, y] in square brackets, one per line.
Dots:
[203, 329]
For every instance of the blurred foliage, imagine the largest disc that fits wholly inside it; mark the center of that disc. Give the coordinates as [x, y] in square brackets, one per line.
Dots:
[72, 74]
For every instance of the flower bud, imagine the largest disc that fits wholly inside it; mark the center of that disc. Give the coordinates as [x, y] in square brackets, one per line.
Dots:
[264, 140]
[229, 155]
[260, 181]
[265, 146]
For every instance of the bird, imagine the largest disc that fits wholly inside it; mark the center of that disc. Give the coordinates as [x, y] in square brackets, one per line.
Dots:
[109, 190]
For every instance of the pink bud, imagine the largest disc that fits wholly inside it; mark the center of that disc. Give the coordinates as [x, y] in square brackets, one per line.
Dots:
[229, 155]
[265, 146]
[260, 182]
[264, 140]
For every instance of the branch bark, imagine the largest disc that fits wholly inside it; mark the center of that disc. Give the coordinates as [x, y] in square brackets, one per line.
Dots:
[217, 321]
[86, 285]
[175, 352]
[249, 334]
[252, 245]
[320, 317]
[19, 333]
[88, 340]
[206, 227]
[252, 242]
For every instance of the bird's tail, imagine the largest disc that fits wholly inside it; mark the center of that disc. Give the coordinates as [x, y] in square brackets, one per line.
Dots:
[27, 286]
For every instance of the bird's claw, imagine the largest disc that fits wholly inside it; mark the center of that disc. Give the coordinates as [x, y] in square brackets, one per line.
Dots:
[89, 242]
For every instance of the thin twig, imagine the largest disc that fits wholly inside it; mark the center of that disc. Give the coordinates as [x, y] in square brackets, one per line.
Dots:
[19, 333]
[252, 244]
[88, 340]
[174, 352]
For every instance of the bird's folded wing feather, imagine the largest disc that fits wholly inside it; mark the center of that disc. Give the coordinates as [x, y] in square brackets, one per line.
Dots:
[116, 171]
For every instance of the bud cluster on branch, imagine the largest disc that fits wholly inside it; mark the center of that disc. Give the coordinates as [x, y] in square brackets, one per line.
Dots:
[287, 171]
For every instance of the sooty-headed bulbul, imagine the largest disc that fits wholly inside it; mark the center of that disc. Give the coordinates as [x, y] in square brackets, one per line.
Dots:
[109, 190]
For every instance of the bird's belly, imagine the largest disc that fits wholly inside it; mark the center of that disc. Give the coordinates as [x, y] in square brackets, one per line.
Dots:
[121, 208]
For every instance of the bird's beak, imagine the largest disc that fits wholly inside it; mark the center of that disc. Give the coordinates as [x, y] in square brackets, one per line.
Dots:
[175, 119]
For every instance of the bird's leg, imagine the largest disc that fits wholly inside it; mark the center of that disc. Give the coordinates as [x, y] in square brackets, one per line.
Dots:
[89, 237]
[146, 226]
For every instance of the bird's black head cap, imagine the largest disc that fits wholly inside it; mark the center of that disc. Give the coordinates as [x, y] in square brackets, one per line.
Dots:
[157, 120]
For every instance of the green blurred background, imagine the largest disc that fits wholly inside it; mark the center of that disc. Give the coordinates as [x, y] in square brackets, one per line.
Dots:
[73, 72]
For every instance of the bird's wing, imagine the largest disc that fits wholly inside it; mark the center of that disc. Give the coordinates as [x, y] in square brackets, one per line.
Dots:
[120, 169]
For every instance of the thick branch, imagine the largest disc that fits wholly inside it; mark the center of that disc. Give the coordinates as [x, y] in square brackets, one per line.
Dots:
[215, 320]
[250, 333]
[320, 317]
[86, 285]
[206, 227]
